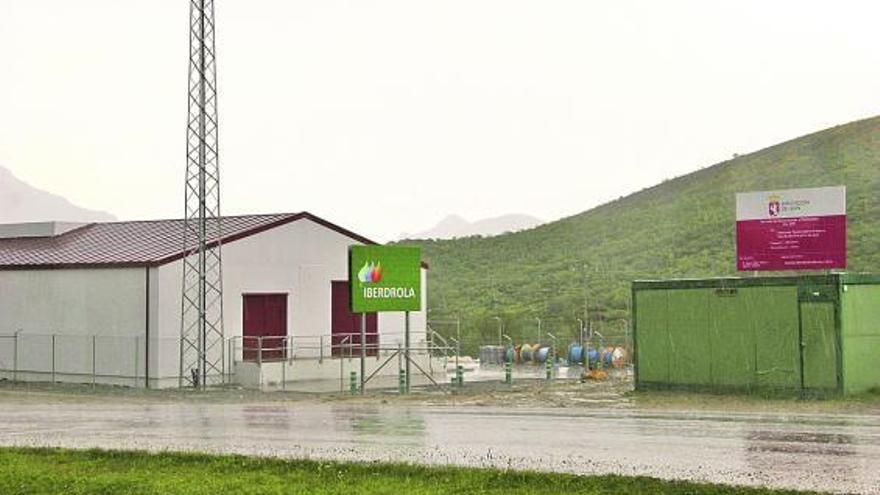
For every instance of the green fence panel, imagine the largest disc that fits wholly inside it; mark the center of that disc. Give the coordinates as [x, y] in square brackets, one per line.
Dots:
[773, 312]
[861, 338]
[690, 352]
[653, 336]
[732, 338]
[819, 338]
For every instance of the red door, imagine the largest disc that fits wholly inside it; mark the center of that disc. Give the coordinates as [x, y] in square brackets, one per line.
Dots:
[264, 325]
[346, 326]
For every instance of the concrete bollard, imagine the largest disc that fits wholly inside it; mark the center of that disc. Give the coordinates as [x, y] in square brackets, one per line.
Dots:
[459, 375]
[508, 373]
[353, 382]
[401, 382]
[549, 366]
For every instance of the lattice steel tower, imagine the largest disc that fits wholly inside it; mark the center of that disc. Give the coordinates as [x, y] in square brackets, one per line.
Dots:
[202, 360]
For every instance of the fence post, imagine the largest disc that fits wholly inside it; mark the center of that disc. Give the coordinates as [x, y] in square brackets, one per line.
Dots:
[15, 356]
[406, 347]
[53, 358]
[136, 359]
[230, 346]
[284, 364]
[94, 360]
[260, 360]
[321, 349]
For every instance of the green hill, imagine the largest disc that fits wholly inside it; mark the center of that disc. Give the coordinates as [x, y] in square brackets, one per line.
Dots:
[683, 227]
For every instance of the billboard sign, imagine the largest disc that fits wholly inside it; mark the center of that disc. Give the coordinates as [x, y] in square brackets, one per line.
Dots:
[793, 229]
[385, 278]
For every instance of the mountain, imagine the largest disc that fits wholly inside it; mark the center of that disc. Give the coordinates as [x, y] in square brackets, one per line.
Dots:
[683, 227]
[455, 226]
[21, 202]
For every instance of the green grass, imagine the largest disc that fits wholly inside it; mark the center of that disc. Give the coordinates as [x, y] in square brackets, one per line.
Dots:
[38, 471]
[683, 227]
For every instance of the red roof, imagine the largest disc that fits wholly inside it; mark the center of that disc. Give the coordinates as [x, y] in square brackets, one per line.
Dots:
[141, 243]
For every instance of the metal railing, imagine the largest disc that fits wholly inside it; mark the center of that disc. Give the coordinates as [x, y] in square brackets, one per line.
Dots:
[134, 361]
[321, 347]
[344, 347]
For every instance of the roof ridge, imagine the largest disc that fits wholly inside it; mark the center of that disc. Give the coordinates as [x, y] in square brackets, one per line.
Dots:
[156, 220]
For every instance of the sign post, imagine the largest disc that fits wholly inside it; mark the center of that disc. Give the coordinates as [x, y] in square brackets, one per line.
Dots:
[794, 229]
[385, 278]
[406, 349]
[363, 351]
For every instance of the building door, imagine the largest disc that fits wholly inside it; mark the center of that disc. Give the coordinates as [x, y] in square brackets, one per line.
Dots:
[345, 326]
[819, 346]
[264, 327]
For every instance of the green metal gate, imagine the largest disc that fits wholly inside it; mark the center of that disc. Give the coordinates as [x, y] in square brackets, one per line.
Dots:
[819, 338]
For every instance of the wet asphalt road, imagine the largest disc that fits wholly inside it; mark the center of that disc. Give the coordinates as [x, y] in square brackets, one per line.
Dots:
[821, 452]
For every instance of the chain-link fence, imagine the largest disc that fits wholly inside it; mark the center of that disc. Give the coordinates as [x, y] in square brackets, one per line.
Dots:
[117, 360]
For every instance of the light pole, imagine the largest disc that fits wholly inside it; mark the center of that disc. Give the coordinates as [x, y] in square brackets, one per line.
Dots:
[457, 339]
[500, 330]
[581, 332]
[539, 330]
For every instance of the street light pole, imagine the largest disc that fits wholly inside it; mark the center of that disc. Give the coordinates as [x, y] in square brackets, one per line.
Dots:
[581, 332]
[457, 339]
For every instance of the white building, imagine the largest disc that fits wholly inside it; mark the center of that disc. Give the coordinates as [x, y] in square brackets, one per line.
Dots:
[101, 302]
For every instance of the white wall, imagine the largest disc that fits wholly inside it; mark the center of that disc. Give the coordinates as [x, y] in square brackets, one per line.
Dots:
[78, 301]
[299, 259]
[73, 305]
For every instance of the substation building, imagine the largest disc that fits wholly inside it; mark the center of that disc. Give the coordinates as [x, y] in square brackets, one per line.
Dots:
[810, 334]
[101, 303]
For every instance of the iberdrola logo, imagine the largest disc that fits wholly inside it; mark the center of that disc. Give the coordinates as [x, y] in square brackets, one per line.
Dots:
[370, 273]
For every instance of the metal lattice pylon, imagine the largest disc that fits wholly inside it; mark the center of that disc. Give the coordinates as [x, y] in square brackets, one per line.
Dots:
[202, 360]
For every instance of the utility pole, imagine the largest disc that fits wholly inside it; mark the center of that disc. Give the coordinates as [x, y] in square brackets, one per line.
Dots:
[202, 357]
[586, 300]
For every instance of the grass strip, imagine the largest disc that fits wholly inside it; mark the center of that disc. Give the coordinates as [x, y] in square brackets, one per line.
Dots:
[63, 471]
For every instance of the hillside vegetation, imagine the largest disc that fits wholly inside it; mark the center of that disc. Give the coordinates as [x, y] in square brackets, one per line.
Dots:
[583, 265]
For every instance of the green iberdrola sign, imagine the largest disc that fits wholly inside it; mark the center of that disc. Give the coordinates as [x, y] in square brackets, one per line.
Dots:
[385, 278]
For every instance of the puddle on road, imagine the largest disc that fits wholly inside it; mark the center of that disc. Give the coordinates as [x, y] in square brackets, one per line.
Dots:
[403, 425]
[801, 436]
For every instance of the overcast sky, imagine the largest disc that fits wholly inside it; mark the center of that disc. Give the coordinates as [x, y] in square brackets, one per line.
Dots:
[385, 116]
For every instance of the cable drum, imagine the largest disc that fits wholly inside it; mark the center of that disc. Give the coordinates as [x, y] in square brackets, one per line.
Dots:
[526, 352]
[542, 354]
